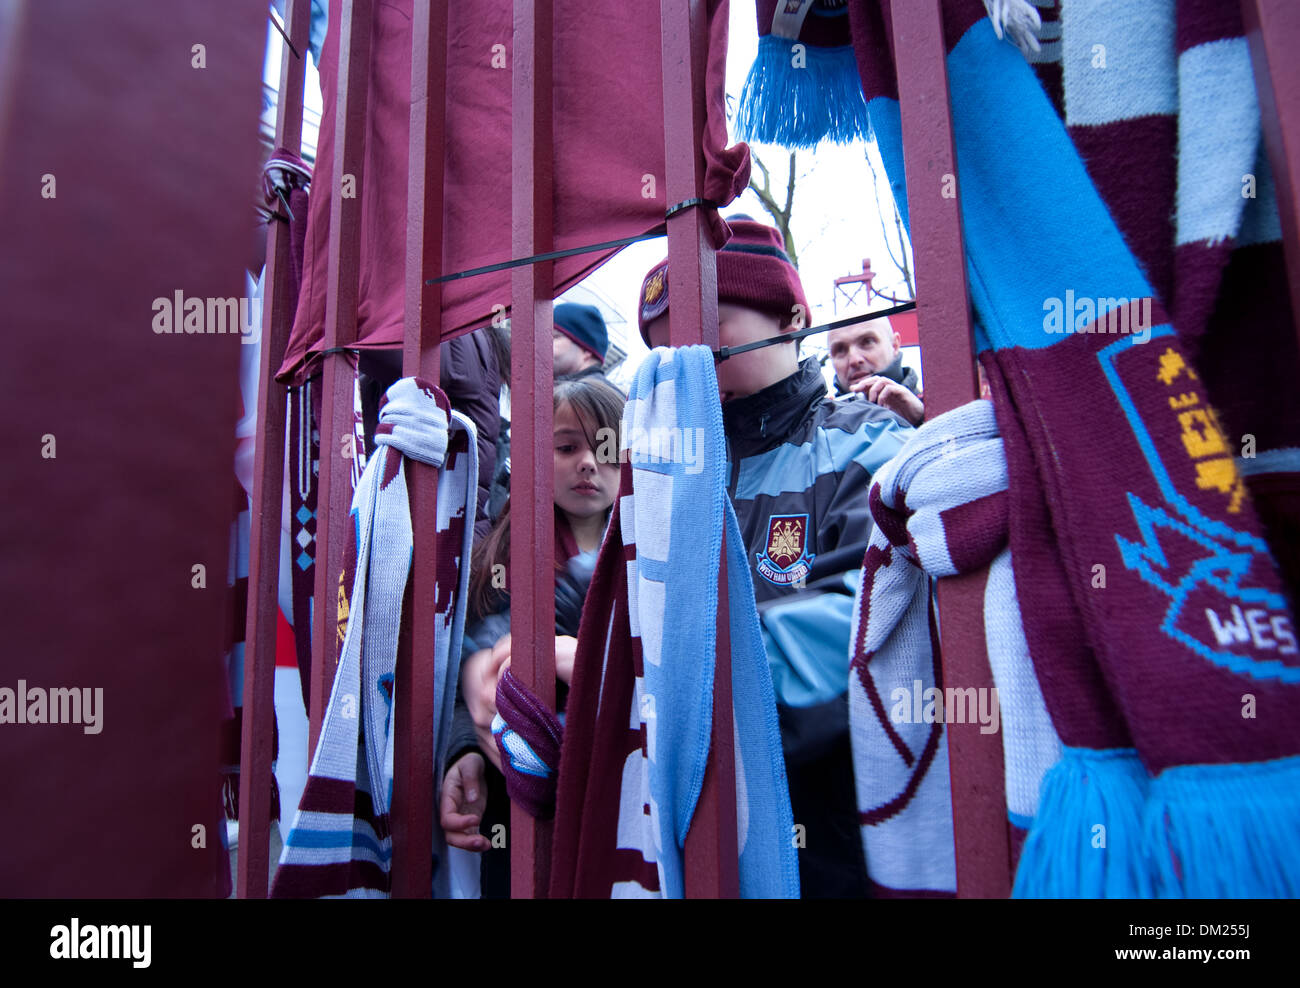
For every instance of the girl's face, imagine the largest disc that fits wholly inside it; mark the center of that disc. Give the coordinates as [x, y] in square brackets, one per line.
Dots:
[583, 486]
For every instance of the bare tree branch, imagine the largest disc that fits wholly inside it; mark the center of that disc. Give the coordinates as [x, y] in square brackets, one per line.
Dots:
[767, 182]
[780, 214]
[899, 259]
[789, 190]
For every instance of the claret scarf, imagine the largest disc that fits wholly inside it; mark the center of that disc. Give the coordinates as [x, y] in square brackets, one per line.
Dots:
[639, 717]
[1153, 610]
[341, 843]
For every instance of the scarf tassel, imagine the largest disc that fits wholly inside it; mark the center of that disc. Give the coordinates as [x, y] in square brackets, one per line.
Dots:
[799, 98]
[1219, 831]
[1086, 839]
[1105, 829]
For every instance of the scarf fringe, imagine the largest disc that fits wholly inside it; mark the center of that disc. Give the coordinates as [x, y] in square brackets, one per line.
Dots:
[1225, 831]
[1067, 855]
[799, 107]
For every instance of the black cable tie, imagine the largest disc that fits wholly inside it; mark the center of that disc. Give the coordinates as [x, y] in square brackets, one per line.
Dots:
[549, 256]
[284, 199]
[686, 204]
[276, 21]
[722, 353]
[555, 255]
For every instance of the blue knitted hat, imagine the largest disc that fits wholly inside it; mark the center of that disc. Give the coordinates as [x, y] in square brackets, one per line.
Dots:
[584, 325]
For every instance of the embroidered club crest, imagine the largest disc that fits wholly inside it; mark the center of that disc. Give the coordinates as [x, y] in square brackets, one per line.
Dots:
[655, 302]
[786, 559]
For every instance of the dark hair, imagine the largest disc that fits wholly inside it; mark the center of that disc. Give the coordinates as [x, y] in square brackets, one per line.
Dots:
[498, 337]
[597, 406]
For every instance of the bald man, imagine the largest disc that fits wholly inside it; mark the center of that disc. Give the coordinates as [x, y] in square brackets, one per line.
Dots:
[868, 359]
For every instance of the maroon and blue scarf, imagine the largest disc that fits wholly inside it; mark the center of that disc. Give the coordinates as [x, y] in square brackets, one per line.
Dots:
[1155, 615]
[341, 841]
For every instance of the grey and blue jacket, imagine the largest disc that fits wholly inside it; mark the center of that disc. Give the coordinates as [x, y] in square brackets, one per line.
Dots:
[800, 465]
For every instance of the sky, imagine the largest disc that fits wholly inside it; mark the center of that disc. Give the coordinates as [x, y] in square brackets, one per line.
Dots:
[836, 221]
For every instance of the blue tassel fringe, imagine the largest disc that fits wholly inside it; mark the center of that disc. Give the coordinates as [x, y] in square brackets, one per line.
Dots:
[801, 107]
[1225, 831]
[1066, 855]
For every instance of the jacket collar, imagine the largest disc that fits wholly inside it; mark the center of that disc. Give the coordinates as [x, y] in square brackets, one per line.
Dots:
[767, 417]
[896, 372]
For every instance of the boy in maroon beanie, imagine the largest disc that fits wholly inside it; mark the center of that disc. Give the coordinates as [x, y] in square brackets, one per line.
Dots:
[800, 464]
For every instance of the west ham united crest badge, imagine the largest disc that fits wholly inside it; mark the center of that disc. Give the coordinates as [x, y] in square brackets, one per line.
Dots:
[786, 559]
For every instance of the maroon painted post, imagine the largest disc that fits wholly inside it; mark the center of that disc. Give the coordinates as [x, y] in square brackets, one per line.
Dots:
[532, 543]
[712, 856]
[127, 156]
[257, 739]
[943, 315]
[334, 495]
[711, 864]
[414, 784]
[1273, 32]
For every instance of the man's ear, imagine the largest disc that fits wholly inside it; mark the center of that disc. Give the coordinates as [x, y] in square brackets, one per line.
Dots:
[898, 341]
[790, 327]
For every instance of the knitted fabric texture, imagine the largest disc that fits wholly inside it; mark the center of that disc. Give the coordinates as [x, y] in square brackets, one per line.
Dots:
[304, 475]
[585, 326]
[341, 844]
[940, 508]
[900, 755]
[1156, 95]
[1152, 608]
[528, 736]
[803, 86]
[753, 271]
[1175, 104]
[627, 797]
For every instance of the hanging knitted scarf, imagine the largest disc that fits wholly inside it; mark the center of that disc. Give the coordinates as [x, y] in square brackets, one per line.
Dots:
[803, 87]
[303, 480]
[286, 181]
[341, 844]
[1159, 98]
[1153, 611]
[627, 795]
[940, 508]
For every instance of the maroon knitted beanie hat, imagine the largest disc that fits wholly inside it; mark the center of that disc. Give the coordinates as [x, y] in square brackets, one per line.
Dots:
[753, 271]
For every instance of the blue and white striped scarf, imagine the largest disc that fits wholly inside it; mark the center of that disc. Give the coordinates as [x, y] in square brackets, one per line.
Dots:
[675, 519]
[340, 843]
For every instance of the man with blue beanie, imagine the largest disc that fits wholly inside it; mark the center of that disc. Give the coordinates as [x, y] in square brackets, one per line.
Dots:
[580, 341]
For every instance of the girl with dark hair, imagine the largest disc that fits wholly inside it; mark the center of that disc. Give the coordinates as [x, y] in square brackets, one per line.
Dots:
[587, 413]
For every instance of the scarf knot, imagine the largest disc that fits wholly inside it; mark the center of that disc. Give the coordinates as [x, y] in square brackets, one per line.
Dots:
[413, 420]
[529, 737]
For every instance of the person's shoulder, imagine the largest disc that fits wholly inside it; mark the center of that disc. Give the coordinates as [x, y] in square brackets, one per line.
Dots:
[852, 429]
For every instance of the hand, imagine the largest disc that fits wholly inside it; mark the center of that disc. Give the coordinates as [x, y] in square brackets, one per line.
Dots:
[464, 798]
[478, 683]
[889, 394]
[566, 651]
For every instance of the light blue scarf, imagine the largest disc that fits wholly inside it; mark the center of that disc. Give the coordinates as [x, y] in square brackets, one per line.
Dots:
[676, 520]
